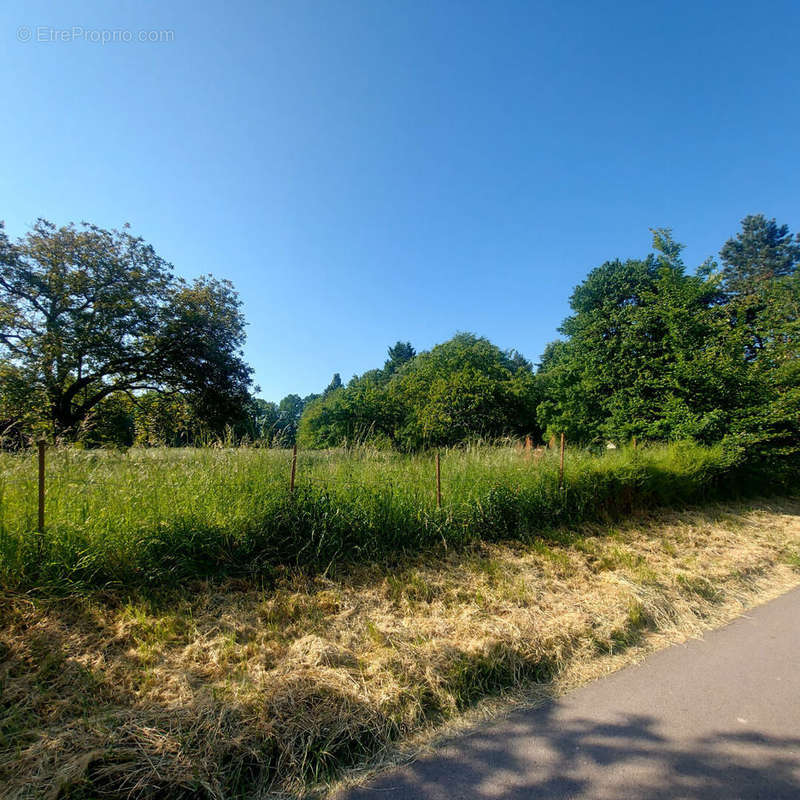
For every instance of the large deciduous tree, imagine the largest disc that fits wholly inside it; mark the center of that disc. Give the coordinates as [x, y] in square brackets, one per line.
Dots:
[87, 313]
[648, 354]
[461, 389]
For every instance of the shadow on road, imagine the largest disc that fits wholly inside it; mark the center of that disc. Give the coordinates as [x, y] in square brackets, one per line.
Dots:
[535, 754]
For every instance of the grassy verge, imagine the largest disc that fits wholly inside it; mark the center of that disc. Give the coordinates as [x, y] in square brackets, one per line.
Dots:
[160, 517]
[229, 688]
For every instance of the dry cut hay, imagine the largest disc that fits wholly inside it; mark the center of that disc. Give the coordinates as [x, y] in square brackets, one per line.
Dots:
[230, 689]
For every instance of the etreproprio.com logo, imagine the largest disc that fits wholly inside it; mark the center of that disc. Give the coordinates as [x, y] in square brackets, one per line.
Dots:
[77, 33]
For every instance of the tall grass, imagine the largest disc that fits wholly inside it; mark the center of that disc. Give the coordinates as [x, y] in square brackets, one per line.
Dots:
[163, 516]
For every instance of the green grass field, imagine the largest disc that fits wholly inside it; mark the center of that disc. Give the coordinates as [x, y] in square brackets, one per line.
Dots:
[355, 613]
[162, 516]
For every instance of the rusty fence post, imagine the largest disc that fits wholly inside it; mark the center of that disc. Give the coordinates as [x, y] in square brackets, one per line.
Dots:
[42, 444]
[561, 465]
[438, 482]
[294, 469]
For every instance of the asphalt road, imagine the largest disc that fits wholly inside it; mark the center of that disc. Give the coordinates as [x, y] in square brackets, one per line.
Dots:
[714, 718]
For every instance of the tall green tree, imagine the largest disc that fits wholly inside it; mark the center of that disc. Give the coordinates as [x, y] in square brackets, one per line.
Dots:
[761, 251]
[87, 313]
[362, 411]
[290, 409]
[399, 353]
[464, 388]
[265, 420]
[759, 265]
[647, 355]
[761, 281]
[336, 383]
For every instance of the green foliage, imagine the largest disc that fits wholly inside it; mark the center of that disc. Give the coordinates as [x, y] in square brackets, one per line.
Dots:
[200, 344]
[21, 403]
[655, 353]
[166, 419]
[462, 389]
[650, 352]
[465, 388]
[163, 516]
[762, 300]
[290, 409]
[111, 423]
[363, 411]
[100, 343]
[401, 353]
[265, 418]
[336, 383]
[760, 252]
[87, 314]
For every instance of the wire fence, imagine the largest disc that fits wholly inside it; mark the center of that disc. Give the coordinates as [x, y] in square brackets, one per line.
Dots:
[39, 486]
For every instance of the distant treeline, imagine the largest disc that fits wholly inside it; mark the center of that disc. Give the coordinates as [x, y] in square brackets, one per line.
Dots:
[651, 351]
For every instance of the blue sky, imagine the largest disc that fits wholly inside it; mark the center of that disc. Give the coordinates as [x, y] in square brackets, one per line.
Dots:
[380, 170]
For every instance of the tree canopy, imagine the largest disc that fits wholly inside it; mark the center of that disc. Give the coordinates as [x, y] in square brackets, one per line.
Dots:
[645, 355]
[461, 389]
[100, 341]
[653, 352]
[87, 313]
[761, 281]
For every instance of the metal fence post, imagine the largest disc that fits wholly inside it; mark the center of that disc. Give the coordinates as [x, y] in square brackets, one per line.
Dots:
[42, 445]
[438, 482]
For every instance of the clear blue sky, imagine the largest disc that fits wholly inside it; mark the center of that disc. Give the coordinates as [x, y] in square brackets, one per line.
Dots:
[381, 170]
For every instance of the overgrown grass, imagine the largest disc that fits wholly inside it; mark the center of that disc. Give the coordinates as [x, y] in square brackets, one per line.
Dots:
[224, 689]
[161, 516]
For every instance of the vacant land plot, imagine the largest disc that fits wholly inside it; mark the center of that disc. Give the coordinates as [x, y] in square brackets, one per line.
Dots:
[230, 687]
[160, 517]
